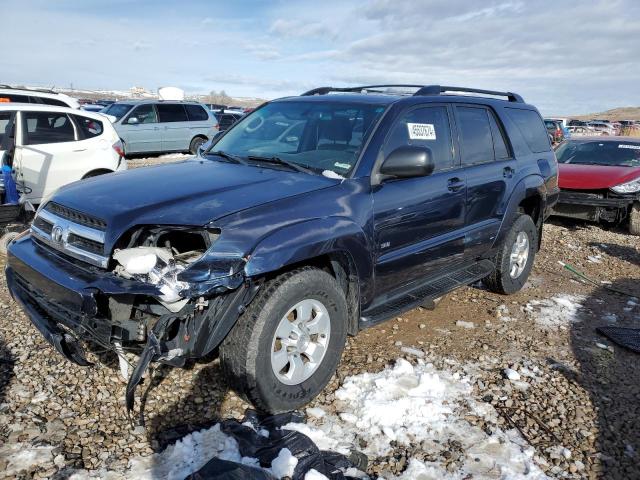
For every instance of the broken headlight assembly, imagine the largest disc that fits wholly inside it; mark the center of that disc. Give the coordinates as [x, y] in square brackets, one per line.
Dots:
[158, 255]
[629, 187]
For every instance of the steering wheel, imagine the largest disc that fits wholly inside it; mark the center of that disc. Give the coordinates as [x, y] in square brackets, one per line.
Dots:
[250, 129]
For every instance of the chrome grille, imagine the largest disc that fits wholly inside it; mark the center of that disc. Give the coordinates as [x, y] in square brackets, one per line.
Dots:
[78, 240]
[75, 216]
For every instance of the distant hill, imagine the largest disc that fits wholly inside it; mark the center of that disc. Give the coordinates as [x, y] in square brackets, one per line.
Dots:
[620, 113]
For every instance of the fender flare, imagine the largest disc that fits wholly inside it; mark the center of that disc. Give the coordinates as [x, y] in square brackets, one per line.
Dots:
[310, 239]
[529, 186]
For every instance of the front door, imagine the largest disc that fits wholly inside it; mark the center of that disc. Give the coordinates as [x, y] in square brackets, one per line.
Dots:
[140, 130]
[418, 221]
[489, 168]
[48, 154]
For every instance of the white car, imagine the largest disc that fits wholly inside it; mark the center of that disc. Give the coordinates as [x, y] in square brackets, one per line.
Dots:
[55, 146]
[37, 96]
[604, 127]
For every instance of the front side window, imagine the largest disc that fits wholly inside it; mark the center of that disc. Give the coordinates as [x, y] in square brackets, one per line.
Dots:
[118, 110]
[88, 126]
[143, 114]
[620, 154]
[531, 127]
[49, 101]
[475, 135]
[196, 113]
[317, 135]
[424, 127]
[46, 127]
[171, 112]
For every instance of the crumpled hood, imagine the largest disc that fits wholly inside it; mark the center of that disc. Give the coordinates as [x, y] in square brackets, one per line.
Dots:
[193, 192]
[594, 177]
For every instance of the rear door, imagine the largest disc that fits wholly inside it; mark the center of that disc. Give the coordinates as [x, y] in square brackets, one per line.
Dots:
[174, 125]
[49, 154]
[489, 168]
[140, 130]
[418, 221]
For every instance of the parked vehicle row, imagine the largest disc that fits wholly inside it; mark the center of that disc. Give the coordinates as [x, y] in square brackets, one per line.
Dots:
[308, 220]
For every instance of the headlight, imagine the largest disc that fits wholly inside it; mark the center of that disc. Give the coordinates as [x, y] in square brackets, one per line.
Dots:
[629, 187]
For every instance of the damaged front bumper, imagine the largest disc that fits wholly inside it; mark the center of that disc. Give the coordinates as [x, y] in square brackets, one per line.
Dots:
[593, 205]
[68, 302]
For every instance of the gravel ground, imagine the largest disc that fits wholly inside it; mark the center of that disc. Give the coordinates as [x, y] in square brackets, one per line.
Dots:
[576, 400]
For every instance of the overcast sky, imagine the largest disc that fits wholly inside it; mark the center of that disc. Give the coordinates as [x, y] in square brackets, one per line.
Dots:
[563, 56]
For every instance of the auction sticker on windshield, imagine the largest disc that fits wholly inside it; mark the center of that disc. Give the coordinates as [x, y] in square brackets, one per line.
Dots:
[421, 131]
[632, 147]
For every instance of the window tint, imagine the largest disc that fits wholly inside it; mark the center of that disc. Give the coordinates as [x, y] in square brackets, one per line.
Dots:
[48, 101]
[425, 127]
[196, 113]
[226, 120]
[499, 144]
[475, 135]
[11, 97]
[144, 113]
[5, 117]
[171, 112]
[46, 127]
[88, 126]
[532, 129]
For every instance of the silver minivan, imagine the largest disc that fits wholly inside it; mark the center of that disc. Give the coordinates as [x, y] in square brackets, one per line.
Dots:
[158, 126]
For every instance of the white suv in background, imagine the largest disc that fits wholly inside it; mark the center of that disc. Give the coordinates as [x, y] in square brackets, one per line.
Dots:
[37, 96]
[55, 146]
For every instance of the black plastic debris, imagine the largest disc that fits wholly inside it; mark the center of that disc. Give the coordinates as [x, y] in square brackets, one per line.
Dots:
[625, 337]
[217, 469]
[264, 439]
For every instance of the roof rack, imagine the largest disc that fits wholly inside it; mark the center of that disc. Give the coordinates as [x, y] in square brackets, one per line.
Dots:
[438, 89]
[41, 90]
[423, 90]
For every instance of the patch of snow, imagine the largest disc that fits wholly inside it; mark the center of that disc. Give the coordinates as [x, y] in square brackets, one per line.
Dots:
[316, 412]
[412, 351]
[463, 324]
[284, 464]
[23, 457]
[558, 311]
[511, 374]
[332, 174]
[595, 258]
[313, 474]
[420, 405]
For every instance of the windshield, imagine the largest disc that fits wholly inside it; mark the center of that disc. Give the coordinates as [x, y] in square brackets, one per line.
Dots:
[118, 110]
[319, 136]
[621, 154]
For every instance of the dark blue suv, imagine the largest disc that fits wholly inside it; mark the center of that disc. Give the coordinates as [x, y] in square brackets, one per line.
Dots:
[310, 219]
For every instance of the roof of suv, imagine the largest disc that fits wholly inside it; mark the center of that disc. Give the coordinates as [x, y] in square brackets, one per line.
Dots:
[30, 107]
[36, 92]
[153, 100]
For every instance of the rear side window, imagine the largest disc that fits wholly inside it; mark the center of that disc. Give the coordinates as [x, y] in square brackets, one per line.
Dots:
[48, 101]
[531, 127]
[171, 112]
[425, 127]
[46, 127]
[196, 113]
[475, 135]
[499, 143]
[89, 127]
[10, 97]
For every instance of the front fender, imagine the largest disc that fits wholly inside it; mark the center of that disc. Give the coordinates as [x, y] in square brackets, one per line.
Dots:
[309, 239]
[531, 185]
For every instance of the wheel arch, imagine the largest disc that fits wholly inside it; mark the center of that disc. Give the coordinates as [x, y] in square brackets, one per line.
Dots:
[96, 172]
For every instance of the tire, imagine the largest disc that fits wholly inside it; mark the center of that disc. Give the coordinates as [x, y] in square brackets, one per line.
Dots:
[195, 144]
[503, 279]
[249, 352]
[96, 173]
[634, 219]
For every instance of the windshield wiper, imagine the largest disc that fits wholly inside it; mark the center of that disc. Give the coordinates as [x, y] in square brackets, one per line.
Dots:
[228, 156]
[280, 161]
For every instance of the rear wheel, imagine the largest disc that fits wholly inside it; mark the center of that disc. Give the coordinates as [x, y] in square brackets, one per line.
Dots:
[287, 345]
[514, 259]
[634, 219]
[195, 144]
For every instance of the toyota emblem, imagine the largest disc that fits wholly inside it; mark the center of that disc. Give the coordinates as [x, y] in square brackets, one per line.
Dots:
[56, 234]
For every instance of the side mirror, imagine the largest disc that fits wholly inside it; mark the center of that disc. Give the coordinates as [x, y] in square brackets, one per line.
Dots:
[133, 121]
[408, 161]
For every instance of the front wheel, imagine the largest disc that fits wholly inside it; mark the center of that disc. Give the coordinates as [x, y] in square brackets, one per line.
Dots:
[284, 349]
[195, 144]
[515, 256]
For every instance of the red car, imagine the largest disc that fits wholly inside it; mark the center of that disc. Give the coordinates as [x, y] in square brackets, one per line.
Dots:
[599, 180]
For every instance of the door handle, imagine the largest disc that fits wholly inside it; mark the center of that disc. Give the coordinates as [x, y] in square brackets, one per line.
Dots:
[80, 150]
[507, 172]
[454, 184]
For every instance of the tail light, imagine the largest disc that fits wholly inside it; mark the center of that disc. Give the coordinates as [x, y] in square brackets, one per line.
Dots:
[119, 148]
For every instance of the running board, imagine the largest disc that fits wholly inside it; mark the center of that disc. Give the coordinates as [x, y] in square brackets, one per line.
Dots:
[426, 292]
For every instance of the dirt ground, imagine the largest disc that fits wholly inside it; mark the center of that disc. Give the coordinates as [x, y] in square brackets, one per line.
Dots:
[584, 398]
